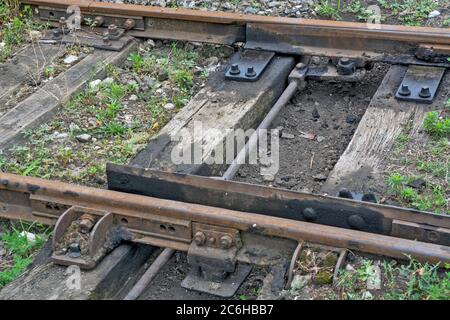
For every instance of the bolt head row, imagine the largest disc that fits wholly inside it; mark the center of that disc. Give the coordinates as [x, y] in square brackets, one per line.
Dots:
[235, 70]
[424, 91]
[200, 239]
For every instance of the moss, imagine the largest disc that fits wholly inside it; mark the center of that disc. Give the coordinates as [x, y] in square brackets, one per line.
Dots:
[324, 277]
[330, 260]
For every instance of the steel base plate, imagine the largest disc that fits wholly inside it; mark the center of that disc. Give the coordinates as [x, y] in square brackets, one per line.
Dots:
[248, 65]
[225, 289]
[418, 78]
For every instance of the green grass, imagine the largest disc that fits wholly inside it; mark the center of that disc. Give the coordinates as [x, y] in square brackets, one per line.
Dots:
[176, 67]
[421, 281]
[410, 281]
[396, 181]
[436, 125]
[431, 197]
[409, 12]
[119, 127]
[437, 169]
[15, 25]
[20, 250]
[362, 13]
[326, 8]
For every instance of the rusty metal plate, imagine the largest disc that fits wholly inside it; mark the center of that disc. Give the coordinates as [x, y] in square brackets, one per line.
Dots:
[212, 235]
[248, 65]
[249, 198]
[226, 289]
[54, 14]
[94, 40]
[420, 84]
[157, 28]
[421, 232]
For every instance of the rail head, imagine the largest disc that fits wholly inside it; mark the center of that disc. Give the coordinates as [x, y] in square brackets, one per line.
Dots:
[29, 198]
[330, 28]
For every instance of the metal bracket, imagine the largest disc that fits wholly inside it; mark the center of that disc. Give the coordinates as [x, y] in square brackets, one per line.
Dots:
[328, 72]
[248, 65]
[420, 84]
[212, 256]
[114, 41]
[125, 22]
[80, 236]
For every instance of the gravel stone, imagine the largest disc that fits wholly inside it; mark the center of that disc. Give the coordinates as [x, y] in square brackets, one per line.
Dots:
[84, 137]
[169, 106]
[70, 59]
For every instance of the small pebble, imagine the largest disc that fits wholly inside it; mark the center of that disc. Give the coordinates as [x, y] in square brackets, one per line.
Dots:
[93, 85]
[286, 135]
[73, 127]
[84, 137]
[434, 14]
[169, 107]
[320, 177]
[70, 59]
[108, 80]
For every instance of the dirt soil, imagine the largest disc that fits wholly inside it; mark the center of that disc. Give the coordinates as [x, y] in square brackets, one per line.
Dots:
[330, 112]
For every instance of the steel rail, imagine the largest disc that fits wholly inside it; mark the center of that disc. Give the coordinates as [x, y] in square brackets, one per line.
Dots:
[19, 190]
[339, 29]
[264, 125]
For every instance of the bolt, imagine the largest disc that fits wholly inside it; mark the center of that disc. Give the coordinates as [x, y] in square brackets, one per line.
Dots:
[105, 39]
[356, 221]
[62, 23]
[310, 214]
[129, 24]
[433, 236]
[225, 242]
[74, 250]
[56, 33]
[199, 238]
[425, 92]
[99, 20]
[112, 30]
[87, 222]
[345, 193]
[250, 72]
[404, 90]
[344, 61]
[369, 197]
[235, 69]
[346, 66]
[300, 66]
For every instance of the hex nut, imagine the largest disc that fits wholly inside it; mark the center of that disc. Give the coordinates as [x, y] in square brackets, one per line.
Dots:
[199, 238]
[226, 242]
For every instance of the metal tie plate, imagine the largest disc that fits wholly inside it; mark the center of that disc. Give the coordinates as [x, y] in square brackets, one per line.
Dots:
[420, 84]
[248, 65]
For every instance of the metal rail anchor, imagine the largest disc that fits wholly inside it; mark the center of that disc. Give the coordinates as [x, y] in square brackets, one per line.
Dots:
[212, 256]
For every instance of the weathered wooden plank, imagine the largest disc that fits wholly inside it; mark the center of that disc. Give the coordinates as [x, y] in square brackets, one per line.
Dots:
[41, 106]
[27, 65]
[361, 166]
[220, 106]
[46, 281]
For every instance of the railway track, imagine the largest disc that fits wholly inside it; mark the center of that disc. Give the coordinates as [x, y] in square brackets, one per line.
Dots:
[218, 221]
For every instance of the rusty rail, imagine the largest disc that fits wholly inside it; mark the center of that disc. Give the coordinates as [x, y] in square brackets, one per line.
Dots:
[280, 34]
[34, 199]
